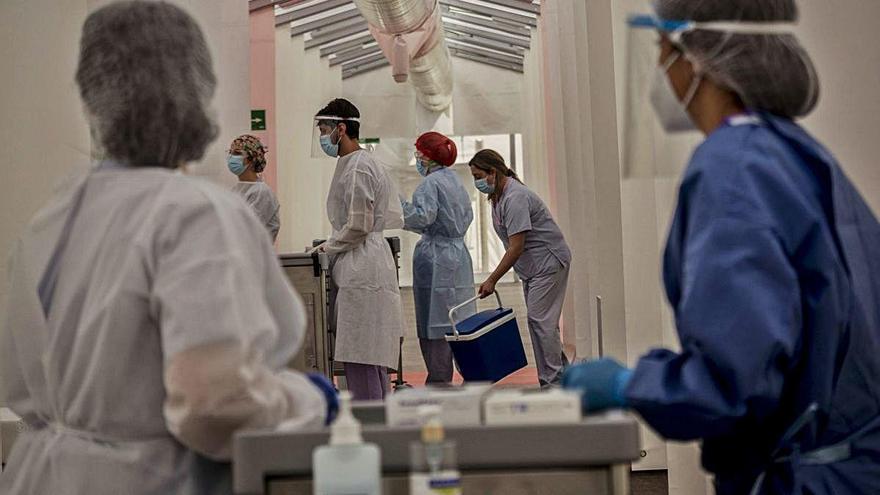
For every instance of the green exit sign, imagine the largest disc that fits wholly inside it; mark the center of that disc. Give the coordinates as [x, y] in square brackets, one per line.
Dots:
[258, 120]
[370, 141]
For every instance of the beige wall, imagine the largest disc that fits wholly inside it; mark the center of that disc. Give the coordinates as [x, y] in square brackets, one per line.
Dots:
[304, 84]
[843, 42]
[43, 132]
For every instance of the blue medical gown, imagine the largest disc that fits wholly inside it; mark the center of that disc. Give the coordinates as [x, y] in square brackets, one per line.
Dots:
[773, 269]
[443, 274]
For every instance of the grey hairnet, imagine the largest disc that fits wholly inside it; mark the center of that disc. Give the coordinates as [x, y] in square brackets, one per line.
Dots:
[768, 72]
[145, 77]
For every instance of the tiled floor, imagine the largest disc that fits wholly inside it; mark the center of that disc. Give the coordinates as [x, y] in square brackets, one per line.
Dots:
[524, 377]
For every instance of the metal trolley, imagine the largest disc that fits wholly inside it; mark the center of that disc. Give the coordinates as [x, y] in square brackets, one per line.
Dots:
[310, 275]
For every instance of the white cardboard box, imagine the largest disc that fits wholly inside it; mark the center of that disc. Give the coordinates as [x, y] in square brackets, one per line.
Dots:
[531, 406]
[462, 406]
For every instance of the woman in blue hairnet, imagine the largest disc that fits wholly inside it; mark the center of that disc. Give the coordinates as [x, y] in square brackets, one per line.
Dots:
[772, 266]
[443, 274]
[148, 319]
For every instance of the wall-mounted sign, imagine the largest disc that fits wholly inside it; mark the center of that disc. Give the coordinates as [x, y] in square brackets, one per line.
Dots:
[258, 120]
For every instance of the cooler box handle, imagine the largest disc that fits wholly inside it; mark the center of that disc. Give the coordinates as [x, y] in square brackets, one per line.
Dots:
[453, 310]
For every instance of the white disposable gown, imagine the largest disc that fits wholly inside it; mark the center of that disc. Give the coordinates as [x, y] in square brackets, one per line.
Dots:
[261, 199]
[168, 329]
[362, 203]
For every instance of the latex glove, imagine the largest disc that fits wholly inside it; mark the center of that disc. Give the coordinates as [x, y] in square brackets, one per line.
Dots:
[601, 381]
[317, 249]
[330, 394]
[487, 288]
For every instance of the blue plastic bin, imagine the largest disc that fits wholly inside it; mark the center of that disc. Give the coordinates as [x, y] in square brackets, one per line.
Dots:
[486, 346]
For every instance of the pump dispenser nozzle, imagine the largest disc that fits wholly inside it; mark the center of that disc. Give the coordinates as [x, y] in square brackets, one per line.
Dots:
[346, 430]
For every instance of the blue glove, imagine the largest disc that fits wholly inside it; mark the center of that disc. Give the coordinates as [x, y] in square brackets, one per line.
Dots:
[602, 383]
[330, 394]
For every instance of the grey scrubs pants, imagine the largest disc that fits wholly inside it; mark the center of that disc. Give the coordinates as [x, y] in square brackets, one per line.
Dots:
[438, 359]
[366, 381]
[544, 297]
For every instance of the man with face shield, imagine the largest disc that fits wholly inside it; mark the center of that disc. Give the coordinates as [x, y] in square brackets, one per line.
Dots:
[148, 318]
[772, 267]
[361, 204]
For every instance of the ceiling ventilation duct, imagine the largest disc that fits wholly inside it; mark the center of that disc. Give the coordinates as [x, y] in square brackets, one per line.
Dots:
[410, 34]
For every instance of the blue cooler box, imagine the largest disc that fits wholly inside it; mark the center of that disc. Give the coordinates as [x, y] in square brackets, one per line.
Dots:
[486, 346]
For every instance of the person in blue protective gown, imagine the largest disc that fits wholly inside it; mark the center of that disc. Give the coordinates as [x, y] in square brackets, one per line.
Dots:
[443, 274]
[772, 266]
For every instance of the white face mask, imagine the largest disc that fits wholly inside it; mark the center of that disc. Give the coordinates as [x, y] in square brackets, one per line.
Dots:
[671, 112]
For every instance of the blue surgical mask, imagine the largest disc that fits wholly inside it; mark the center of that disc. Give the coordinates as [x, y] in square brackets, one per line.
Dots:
[328, 146]
[420, 166]
[236, 164]
[484, 187]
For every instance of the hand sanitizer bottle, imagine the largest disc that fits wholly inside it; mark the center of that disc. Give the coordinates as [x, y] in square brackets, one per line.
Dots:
[347, 466]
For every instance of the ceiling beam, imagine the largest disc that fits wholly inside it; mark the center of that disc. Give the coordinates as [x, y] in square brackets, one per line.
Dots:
[484, 52]
[359, 48]
[340, 47]
[501, 38]
[372, 62]
[354, 55]
[316, 9]
[259, 4]
[337, 21]
[516, 30]
[524, 5]
[492, 12]
[485, 43]
[326, 37]
[483, 60]
[365, 68]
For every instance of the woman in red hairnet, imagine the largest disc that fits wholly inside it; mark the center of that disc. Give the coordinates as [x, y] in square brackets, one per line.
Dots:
[443, 277]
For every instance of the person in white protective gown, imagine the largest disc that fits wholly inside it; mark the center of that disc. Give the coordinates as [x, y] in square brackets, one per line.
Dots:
[361, 204]
[247, 160]
[142, 330]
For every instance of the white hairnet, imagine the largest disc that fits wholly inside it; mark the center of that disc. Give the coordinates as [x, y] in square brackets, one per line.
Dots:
[770, 72]
[145, 78]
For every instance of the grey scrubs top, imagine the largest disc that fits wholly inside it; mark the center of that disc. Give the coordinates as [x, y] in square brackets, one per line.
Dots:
[521, 210]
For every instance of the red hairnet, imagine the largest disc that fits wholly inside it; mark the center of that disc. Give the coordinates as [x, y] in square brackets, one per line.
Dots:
[438, 148]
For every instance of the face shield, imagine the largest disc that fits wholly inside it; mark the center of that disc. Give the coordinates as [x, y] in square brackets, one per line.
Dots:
[657, 131]
[326, 135]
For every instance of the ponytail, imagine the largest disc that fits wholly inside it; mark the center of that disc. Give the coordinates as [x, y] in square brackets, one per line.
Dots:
[489, 160]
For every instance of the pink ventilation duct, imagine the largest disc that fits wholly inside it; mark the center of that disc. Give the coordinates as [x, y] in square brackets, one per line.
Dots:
[410, 34]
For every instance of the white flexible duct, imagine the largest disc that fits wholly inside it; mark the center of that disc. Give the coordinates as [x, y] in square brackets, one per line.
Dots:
[410, 33]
